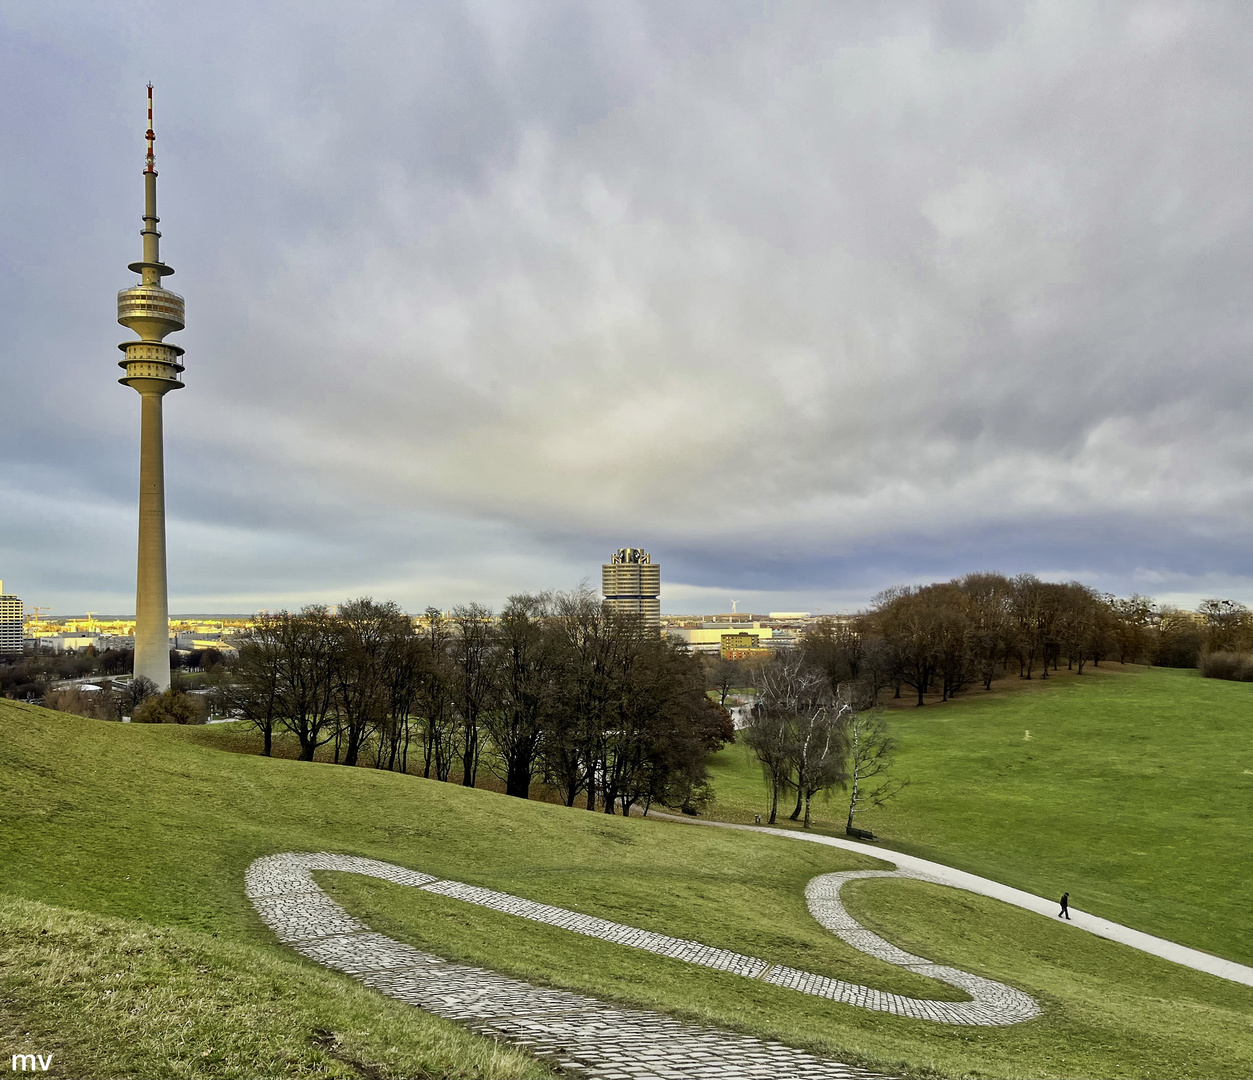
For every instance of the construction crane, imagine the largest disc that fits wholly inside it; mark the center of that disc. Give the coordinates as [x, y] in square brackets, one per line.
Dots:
[89, 622]
[37, 610]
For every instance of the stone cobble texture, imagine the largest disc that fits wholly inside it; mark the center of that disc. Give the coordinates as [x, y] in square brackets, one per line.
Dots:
[994, 1003]
[577, 1032]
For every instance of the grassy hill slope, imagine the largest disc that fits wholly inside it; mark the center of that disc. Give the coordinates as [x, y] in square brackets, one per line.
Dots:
[1131, 790]
[121, 998]
[138, 838]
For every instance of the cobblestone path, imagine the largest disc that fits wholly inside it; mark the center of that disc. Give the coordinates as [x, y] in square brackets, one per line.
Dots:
[575, 1031]
[926, 870]
[993, 1003]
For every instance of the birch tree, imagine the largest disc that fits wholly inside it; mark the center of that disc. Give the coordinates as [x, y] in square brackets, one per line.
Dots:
[797, 732]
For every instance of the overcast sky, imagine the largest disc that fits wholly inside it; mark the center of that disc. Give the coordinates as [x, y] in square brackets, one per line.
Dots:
[806, 300]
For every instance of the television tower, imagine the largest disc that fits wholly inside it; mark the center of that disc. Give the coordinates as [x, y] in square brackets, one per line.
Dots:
[153, 368]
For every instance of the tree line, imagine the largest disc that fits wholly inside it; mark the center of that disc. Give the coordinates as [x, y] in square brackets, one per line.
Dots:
[31, 676]
[557, 688]
[137, 700]
[949, 636]
[816, 724]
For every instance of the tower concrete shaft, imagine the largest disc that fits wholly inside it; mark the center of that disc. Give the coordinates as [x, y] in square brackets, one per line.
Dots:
[153, 368]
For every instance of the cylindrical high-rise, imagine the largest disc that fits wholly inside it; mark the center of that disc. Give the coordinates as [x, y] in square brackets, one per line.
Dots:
[153, 368]
[631, 584]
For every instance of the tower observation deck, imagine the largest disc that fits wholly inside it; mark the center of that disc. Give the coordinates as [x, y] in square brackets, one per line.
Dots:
[153, 368]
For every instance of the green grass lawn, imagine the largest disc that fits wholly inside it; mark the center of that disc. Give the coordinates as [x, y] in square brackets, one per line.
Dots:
[1132, 790]
[120, 997]
[128, 844]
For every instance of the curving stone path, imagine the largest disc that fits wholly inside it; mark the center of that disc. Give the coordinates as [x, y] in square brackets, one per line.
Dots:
[993, 1003]
[576, 1031]
[925, 870]
[572, 1031]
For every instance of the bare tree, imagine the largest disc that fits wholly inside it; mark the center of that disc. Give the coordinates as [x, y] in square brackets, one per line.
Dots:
[135, 692]
[837, 647]
[364, 631]
[653, 737]
[585, 642]
[722, 674]
[870, 756]
[1078, 624]
[954, 648]
[818, 750]
[797, 731]
[907, 620]
[1228, 626]
[1031, 613]
[1133, 618]
[471, 655]
[878, 668]
[402, 678]
[436, 692]
[1179, 639]
[767, 736]
[309, 653]
[519, 721]
[1103, 637]
[988, 605]
[252, 691]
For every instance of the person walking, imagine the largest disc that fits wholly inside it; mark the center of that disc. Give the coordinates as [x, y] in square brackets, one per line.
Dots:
[1065, 911]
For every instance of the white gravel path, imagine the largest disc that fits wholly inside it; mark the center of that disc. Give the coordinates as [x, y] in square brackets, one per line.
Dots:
[960, 879]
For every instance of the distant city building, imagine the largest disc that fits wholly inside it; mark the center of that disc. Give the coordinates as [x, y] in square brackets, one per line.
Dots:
[631, 584]
[77, 642]
[72, 642]
[744, 646]
[712, 635]
[105, 642]
[11, 622]
[197, 639]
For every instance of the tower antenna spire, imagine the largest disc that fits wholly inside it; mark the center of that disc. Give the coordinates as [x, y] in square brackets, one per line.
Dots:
[152, 136]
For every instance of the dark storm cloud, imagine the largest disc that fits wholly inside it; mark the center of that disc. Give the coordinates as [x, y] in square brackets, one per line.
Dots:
[806, 299]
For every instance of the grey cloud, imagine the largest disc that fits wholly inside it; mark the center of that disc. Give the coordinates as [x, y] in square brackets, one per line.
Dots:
[810, 297]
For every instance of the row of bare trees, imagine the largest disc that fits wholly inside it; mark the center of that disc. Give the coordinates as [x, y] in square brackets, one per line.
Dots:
[946, 637]
[557, 688]
[952, 635]
[31, 676]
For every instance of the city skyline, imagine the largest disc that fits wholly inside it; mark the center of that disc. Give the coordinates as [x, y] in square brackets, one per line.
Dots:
[809, 303]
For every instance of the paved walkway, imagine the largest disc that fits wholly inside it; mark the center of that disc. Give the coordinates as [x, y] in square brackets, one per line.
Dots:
[572, 1031]
[284, 894]
[947, 875]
